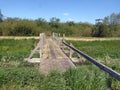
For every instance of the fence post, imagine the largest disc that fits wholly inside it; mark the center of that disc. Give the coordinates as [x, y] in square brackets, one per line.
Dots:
[71, 51]
[53, 35]
[41, 43]
[79, 58]
[40, 36]
[59, 34]
[63, 37]
[57, 38]
[40, 51]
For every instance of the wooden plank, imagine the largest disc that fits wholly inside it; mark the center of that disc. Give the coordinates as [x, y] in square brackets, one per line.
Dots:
[113, 73]
[56, 59]
[34, 60]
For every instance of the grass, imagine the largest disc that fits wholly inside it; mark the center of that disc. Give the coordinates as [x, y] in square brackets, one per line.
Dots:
[99, 49]
[107, 52]
[15, 50]
[14, 73]
[17, 75]
[81, 78]
[21, 76]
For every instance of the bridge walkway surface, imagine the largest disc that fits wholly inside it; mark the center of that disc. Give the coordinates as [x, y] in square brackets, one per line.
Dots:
[53, 58]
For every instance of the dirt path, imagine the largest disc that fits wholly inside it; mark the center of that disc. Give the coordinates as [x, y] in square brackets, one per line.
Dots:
[91, 39]
[53, 58]
[66, 38]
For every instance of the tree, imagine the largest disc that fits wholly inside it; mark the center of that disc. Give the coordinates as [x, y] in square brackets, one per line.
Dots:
[40, 21]
[1, 16]
[22, 30]
[54, 22]
[114, 18]
[118, 18]
[98, 28]
[71, 23]
[106, 20]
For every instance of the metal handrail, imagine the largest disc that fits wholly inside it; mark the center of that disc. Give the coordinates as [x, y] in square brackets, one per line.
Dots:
[113, 73]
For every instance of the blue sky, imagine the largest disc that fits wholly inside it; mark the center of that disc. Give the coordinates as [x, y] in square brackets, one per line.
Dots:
[66, 10]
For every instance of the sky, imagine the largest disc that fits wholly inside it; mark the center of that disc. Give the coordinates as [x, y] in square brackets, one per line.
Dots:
[65, 10]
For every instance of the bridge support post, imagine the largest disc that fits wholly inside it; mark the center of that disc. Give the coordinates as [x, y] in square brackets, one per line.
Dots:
[62, 40]
[40, 51]
[71, 51]
[59, 34]
[80, 60]
[59, 39]
[63, 37]
[41, 44]
[53, 35]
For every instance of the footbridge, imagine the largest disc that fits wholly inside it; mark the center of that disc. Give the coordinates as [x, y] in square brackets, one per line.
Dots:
[56, 54]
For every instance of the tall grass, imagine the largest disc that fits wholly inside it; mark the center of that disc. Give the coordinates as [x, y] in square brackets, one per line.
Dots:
[14, 73]
[20, 76]
[99, 49]
[15, 50]
[17, 75]
[81, 78]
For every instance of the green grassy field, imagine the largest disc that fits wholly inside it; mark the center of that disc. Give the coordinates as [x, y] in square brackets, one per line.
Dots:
[99, 49]
[17, 75]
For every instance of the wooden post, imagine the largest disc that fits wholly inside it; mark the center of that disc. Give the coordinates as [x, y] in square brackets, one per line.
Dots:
[40, 35]
[63, 37]
[59, 34]
[53, 35]
[41, 43]
[71, 51]
[40, 53]
[79, 58]
[59, 40]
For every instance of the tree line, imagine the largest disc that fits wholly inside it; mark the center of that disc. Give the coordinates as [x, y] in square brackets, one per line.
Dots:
[109, 27]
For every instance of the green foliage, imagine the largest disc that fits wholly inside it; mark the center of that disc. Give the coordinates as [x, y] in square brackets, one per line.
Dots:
[1, 16]
[22, 30]
[54, 22]
[110, 27]
[0, 31]
[17, 75]
[114, 19]
[99, 48]
[15, 49]
[54, 81]
[85, 78]
[24, 27]
[104, 30]
[107, 52]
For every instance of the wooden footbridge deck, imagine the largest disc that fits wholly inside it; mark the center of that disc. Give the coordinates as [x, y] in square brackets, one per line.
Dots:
[52, 56]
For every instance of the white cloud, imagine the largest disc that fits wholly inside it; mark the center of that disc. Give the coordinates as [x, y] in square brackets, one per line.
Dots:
[70, 19]
[66, 14]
